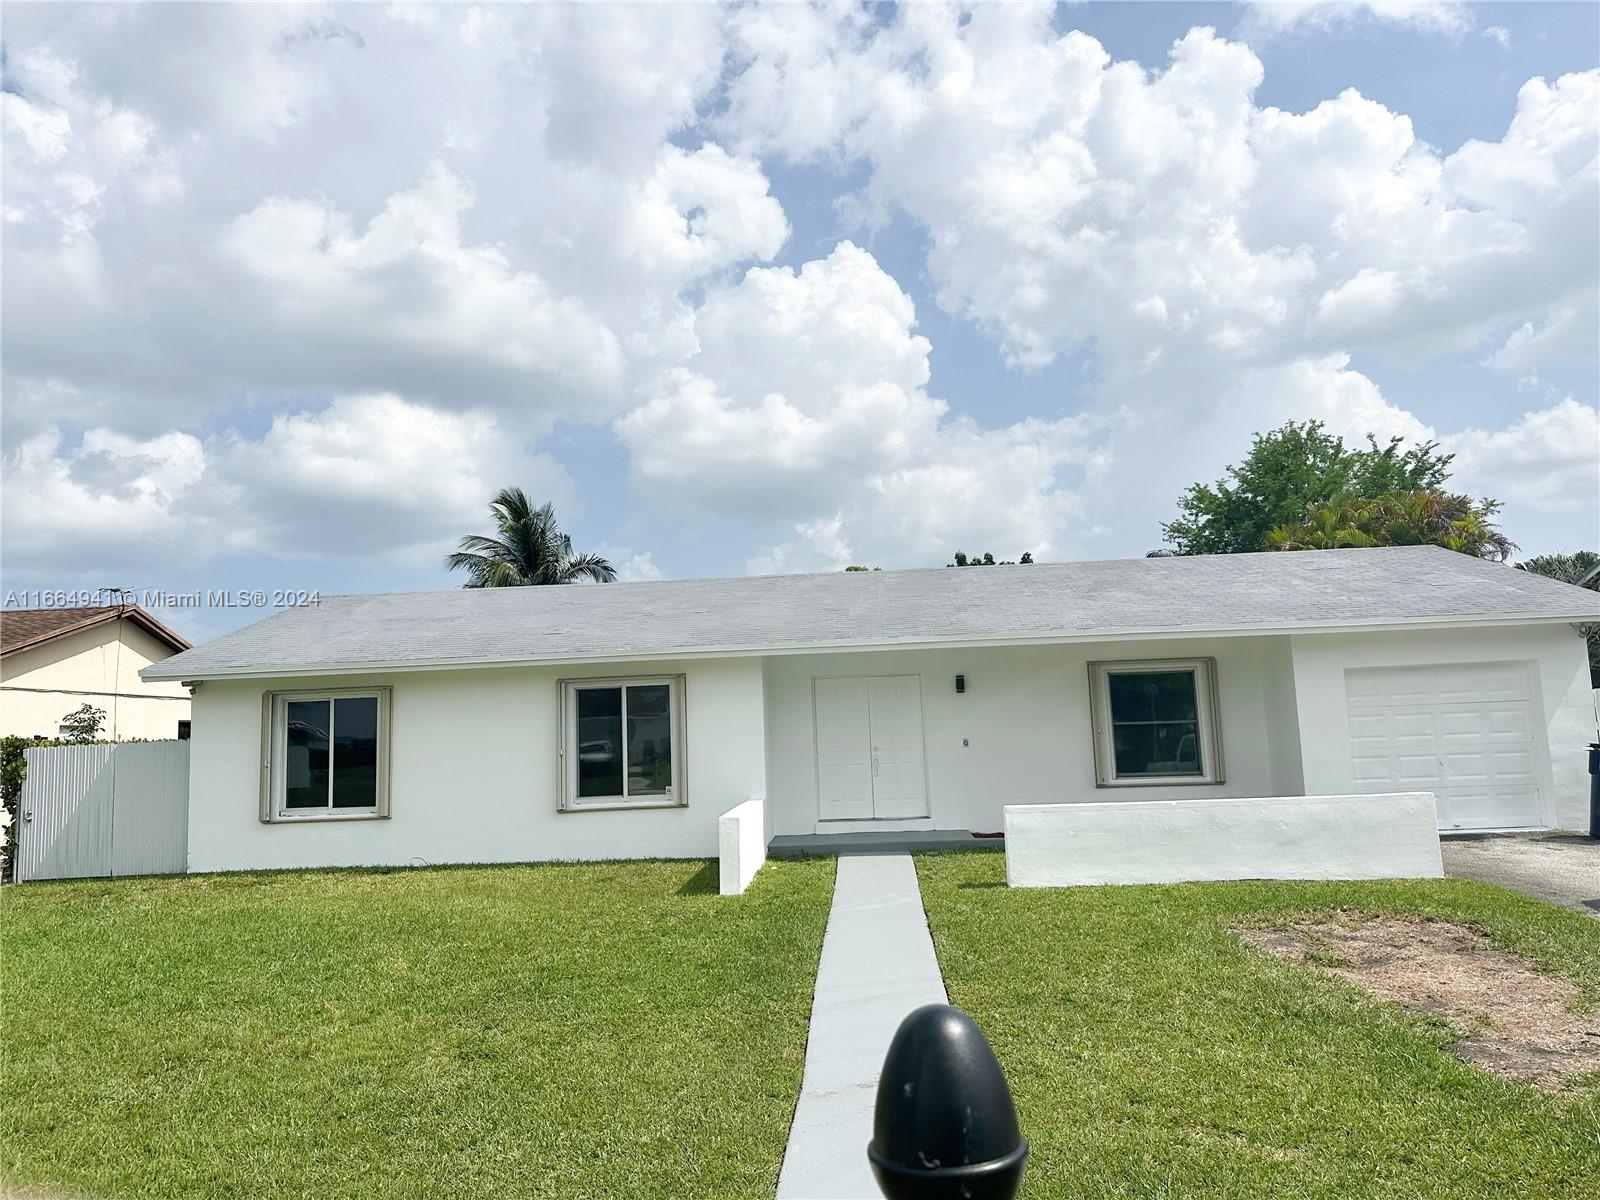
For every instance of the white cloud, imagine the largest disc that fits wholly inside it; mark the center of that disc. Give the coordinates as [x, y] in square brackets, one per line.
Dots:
[99, 504]
[803, 381]
[1568, 332]
[617, 83]
[563, 216]
[71, 159]
[251, 223]
[409, 282]
[510, 229]
[1548, 459]
[1267, 17]
[631, 565]
[982, 490]
[251, 72]
[838, 323]
[1166, 219]
[359, 479]
[363, 477]
[807, 405]
[701, 213]
[1221, 260]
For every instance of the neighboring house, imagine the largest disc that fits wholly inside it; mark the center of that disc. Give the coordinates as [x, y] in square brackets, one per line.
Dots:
[1591, 580]
[55, 660]
[619, 721]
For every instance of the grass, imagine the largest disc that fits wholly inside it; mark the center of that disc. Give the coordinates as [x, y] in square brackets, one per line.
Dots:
[545, 1031]
[1151, 1055]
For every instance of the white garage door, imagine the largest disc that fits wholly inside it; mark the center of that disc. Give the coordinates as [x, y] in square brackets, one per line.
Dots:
[1467, 733]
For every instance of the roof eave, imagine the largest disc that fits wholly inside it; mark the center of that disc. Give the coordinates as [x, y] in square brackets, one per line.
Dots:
[136, 615]
[166, 671]
[157, 630]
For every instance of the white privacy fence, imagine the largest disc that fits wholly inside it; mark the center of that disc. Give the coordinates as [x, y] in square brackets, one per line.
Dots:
[88, 811]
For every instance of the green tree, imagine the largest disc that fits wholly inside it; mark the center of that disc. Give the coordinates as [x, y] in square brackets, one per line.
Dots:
[530, 549]
[1288, 470]
[986, 559]
[13, 772]
[1416, 518]
[83, 723]
[1569, 568]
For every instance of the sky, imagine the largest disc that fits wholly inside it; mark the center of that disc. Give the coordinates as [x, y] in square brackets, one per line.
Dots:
[289, 292]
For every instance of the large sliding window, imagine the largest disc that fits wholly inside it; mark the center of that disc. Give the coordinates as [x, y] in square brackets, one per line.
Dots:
[326, 755]
[622, 742]
[1155, 722]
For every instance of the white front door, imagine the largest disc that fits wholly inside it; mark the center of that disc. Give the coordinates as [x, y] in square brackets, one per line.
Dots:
[1467, 733]
[844, 750]
[899, 786]
[869, 749]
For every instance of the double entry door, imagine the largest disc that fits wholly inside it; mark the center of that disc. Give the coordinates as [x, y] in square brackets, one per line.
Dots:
[869, 748]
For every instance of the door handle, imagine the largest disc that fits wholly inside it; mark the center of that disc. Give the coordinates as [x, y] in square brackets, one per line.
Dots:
[874, 766]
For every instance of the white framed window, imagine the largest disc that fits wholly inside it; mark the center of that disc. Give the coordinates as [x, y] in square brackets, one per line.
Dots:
[622, 743]
[325, 755]
[1155, 722]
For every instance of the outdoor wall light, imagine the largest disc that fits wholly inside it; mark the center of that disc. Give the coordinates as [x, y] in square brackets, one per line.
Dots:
[961, 684]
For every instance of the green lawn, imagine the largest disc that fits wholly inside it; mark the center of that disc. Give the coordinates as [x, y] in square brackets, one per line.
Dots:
[1152, 1056]
[557, 1030]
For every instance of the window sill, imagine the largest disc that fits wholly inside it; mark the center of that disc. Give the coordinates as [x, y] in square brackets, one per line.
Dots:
[1159, 781]
[620, 805]
[323, 818]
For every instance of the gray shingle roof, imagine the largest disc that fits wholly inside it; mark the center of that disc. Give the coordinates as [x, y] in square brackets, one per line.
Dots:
[1066, 601]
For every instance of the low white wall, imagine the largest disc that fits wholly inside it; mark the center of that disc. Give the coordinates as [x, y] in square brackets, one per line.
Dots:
[475, 773]
[1171, 841]
[742, 845]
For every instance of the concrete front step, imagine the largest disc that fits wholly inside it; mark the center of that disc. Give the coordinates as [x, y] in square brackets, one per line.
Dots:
[800, 845]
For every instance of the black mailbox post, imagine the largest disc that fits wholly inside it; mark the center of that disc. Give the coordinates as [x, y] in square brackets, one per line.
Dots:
[1594, 789]
[945, 1125]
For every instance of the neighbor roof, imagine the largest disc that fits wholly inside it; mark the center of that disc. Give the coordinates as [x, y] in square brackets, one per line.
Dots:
[24, 628]
[1078, 601]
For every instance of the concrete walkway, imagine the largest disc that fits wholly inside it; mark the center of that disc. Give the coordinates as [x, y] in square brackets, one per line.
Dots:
[1563, 868]
[877, 965]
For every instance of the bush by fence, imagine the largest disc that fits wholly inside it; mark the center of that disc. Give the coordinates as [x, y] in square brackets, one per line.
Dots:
[13, 773]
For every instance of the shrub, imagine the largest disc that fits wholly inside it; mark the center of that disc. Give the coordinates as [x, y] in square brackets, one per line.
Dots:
[13, 771]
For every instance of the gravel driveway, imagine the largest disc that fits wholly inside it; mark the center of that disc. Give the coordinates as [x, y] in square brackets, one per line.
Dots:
[1563, 868]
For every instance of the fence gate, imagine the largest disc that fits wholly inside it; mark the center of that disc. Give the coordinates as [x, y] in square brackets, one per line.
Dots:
[120, 809]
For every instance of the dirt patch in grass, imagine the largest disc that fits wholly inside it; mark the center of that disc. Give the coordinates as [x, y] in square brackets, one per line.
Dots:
[1516, 1020]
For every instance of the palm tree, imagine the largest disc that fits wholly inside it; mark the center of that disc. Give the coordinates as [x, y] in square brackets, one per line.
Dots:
[1398, 519]
[530, 550]
[1568, 568]
[1571, 568]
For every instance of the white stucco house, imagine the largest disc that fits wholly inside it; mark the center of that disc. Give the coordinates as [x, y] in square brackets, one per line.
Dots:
[55, 660]
[620, 721]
